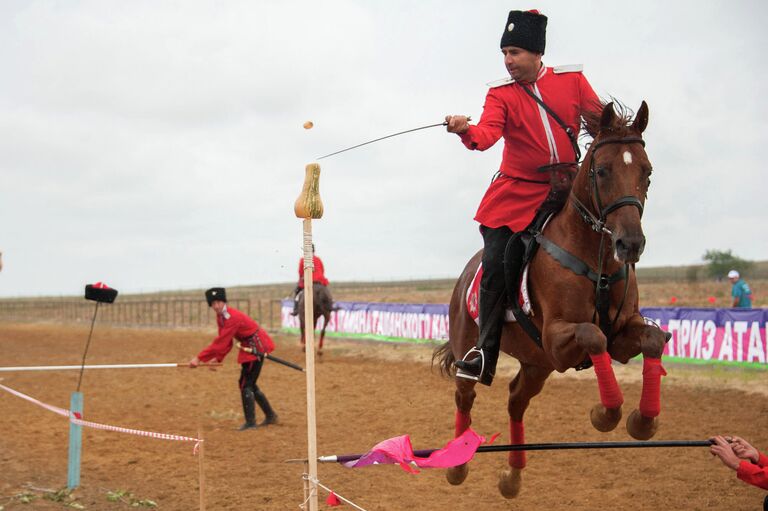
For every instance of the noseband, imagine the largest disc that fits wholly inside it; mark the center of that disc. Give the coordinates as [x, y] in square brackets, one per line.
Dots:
[598, 224]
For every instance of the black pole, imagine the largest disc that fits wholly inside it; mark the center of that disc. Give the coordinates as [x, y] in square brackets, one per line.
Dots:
[82, 365]
[423, 453]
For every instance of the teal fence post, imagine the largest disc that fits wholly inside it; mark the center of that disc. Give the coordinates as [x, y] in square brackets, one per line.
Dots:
[75, 442]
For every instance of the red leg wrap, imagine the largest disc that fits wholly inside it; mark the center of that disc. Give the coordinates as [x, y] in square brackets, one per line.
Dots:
[610, 393]
[463, 420]
[517, 435]
[650, 398]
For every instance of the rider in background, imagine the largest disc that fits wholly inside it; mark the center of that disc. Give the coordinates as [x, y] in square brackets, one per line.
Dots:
[318, 277]
[532, 139]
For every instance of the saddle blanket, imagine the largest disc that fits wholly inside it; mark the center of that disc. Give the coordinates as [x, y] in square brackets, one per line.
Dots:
[473, 295]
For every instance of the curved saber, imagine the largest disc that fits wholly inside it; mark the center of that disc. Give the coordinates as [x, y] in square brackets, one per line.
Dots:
[270, 357]
[444, 123]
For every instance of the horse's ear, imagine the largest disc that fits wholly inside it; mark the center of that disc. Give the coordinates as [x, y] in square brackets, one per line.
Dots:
[607, 117]
[641, 119]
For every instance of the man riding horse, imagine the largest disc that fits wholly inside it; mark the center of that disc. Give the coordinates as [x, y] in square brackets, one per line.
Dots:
[318, 278]
[537, 111]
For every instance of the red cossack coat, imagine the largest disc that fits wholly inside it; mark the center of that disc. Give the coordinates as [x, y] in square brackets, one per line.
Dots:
[235, 325]
[532, 139]
[318, 274]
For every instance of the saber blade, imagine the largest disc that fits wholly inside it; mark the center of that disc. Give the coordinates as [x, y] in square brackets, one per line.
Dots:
[382, 138]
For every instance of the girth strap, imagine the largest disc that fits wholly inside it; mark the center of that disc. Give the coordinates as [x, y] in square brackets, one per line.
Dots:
[576, 265]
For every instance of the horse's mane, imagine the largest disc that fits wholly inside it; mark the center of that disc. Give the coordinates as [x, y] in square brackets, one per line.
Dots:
[621, 124]
[561, 179]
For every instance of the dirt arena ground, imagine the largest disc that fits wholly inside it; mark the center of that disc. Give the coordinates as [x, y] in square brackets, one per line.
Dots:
[365, 393]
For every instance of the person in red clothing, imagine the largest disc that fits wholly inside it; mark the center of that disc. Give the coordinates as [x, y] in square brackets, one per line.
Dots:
[235, 325]
[318, 278]
[534, 137]
[751, 466]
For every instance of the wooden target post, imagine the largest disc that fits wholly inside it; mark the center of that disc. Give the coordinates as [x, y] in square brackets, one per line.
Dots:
[307, 207]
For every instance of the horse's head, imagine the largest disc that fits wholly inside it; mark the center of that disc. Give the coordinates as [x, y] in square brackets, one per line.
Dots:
[612, 184]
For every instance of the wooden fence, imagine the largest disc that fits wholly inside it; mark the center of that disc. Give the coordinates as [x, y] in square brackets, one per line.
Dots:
[169, 313]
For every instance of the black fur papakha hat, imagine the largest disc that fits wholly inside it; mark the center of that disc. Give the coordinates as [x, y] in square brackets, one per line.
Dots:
[100, 292]
[215, 293]
[525, 29]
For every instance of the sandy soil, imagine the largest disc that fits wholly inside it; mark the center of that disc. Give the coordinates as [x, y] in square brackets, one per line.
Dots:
[366, 392]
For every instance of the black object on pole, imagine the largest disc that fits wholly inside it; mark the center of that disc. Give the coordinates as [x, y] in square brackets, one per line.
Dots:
[388, 136]
[99, 293]
[423, 453]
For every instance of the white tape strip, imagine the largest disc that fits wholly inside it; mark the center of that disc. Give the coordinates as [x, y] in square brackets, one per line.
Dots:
[95, 425]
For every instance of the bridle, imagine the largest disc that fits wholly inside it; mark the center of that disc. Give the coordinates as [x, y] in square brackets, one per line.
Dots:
[602, 280]
[598, 223]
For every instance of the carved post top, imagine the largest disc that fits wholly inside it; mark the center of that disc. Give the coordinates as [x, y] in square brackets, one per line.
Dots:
[309, 204]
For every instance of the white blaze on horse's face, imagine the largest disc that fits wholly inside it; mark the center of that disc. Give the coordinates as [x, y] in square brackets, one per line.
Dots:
[627, 157]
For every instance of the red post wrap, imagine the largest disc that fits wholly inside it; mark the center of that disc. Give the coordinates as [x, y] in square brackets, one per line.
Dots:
[650, 398]
[610, 393]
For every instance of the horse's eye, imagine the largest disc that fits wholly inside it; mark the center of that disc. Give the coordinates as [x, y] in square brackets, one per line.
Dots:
[601, 171]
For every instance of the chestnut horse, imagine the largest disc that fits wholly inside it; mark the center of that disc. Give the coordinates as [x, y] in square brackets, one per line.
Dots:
[323, 306]
[606, 201]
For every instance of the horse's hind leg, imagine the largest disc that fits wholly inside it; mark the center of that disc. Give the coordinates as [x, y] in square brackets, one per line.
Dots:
[528, 383]
[465, 397]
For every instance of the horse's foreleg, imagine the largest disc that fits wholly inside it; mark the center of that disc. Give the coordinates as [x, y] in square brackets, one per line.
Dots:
[527, 384]
[643, 422]
[465, 398]
[605, 415]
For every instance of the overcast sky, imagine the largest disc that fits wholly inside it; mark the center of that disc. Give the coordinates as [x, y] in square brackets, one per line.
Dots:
[159, 145]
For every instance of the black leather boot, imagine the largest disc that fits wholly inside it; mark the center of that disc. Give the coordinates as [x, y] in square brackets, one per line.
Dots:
[249, 409]
[482, 367]
[269, 413]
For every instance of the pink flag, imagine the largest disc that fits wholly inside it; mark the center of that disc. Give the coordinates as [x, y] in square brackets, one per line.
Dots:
[398, 450]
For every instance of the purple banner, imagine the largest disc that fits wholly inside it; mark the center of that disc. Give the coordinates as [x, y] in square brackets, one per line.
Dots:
[384, 320]
[729, 335]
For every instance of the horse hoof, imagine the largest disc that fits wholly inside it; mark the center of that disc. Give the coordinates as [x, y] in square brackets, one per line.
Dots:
[640, 427]
[456, 475]
[604, 419]
[509, 482]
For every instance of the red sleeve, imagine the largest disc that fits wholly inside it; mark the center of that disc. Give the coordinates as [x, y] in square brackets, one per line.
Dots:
[754, 474]
[491, 126]
[221, 345]
[762, 460]
[319, 272]
[589, 102]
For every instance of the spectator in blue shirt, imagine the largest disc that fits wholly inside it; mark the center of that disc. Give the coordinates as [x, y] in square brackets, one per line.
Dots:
[742, 295]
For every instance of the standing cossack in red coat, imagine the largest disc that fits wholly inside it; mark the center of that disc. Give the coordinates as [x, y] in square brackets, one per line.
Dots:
[533, 139]
[234, 325]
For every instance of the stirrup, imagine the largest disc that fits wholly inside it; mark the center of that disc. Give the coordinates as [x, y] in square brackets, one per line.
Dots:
[461, 373]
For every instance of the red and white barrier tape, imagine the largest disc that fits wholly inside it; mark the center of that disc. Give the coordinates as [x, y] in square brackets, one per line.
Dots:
[76, 418]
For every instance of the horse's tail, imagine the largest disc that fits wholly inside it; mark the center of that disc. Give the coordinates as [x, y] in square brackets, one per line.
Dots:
[443, 355]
